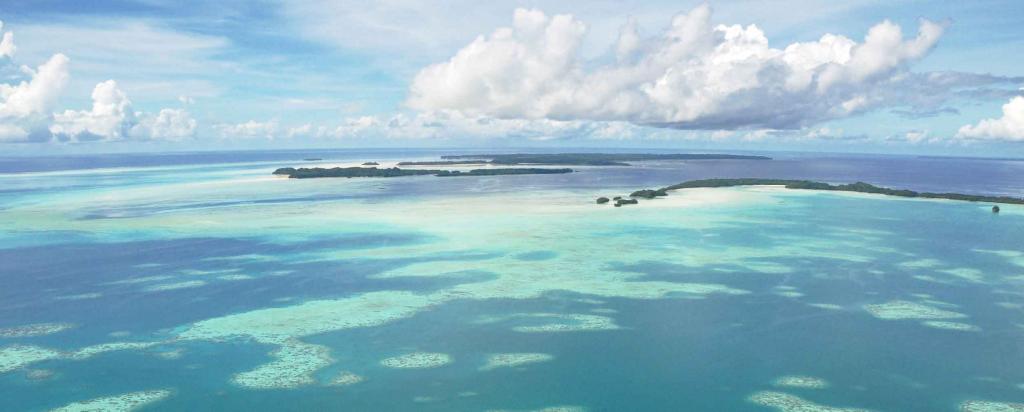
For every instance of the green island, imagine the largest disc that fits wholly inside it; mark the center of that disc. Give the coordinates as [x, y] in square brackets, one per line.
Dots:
[315, 172]
[576, 159]
[441, 163]
[859, 187]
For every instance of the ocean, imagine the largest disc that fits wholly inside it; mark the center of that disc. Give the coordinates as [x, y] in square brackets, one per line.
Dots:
[199, 281]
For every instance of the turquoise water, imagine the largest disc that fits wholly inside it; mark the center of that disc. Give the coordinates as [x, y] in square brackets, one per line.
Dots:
[228, 289]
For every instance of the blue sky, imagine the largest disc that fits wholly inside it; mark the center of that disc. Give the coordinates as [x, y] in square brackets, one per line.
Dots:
[282, 74]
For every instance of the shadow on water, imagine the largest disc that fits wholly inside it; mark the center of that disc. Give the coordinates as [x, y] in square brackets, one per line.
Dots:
[117, 286]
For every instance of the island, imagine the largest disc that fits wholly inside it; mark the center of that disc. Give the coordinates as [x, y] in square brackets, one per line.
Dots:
[649, 194]
[441, 163]
[859, 187]
[312, 159]
[371, 164]
[349, 172]
[579, 159]
[620, 202]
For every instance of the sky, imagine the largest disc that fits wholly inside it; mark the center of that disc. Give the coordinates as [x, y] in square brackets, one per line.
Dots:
[919, 77]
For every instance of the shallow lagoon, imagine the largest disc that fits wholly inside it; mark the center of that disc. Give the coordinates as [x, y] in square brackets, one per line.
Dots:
[230, 289]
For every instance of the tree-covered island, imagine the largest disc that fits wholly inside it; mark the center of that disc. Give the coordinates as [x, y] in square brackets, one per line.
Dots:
[859, 187]
[348, 172]
[577, 159]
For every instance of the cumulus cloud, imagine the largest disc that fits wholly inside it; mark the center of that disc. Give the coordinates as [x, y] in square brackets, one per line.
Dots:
[26, 108]
[248, 130]
[168, 124]
[1008, 127]
[695, 75]
[38, 94]
[444, 124]
[112, 118]
[7, 47]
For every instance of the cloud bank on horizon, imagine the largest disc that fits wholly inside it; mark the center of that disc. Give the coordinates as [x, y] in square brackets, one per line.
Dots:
[531, 80]
[695, 75]
[26, 108]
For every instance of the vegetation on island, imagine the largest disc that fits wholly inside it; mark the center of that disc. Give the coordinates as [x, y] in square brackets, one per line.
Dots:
[621, 202]
[502, 171]
[580, 159]
[648, 193]
[859, 187]
[441, 163]
[349, 172]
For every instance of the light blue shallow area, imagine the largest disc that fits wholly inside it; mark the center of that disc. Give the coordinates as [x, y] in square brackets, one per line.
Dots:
[86, 245]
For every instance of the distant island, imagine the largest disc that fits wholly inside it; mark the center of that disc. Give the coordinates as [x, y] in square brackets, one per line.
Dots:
[859, 187]
[316, 172]
[312, 159]
[441, 163]
[578, 159]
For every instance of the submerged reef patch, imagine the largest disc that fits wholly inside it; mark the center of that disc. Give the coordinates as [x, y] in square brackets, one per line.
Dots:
[294, 365]
[826, 306]
[35, 329]
[938, 324]
[175, 286]
[901, 309]
[277, 325]
[144, 279]
[785, 402]
[39, 374]
[989, 406]
[90, 351]
[561, 408]
[417, 360]
[80, 296]
[806, 382]
[17, 356]
[968, 274]
[512, 360]
[345, 378]
[559, 322]
[119, 403]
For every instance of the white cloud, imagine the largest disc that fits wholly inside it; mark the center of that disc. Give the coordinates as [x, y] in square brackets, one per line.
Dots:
[694, 75]
[7, 47]
[112, 118]
[38, 94]
[248, 130]
[415, 29]
[168, 124]
[1008, 127]
[456, 125]
[12, 133]
[918, 136]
